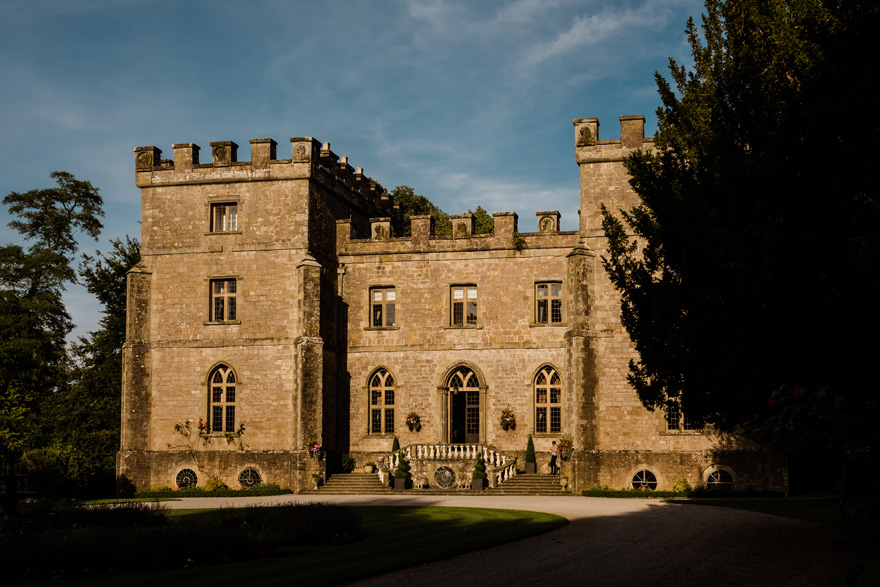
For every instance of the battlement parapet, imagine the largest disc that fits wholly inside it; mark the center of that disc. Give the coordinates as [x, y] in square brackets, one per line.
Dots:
[309, 159]
[590, 149]
[505, 240]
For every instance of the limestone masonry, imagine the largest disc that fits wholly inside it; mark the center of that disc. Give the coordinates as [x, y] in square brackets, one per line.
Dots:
[275, 307]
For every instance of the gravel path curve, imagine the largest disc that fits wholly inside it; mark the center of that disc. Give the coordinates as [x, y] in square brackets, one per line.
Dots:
[625, 542]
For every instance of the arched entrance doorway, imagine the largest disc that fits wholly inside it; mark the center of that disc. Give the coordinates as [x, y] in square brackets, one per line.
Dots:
[463, 387]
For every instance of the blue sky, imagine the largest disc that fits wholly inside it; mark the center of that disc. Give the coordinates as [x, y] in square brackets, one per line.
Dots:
[470, 103]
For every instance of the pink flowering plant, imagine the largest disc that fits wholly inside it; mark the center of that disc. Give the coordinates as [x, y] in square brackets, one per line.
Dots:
[316, 450]
[507, 419]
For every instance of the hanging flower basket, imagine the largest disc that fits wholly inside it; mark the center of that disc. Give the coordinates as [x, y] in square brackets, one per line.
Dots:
[507, 420]
[564, 448]
[316, 451]
[413, 421]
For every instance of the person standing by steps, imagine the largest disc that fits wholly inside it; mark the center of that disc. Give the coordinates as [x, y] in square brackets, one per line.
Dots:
[553, 468]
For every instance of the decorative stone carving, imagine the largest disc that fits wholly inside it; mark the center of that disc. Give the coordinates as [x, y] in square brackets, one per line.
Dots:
[585, 137]
[444, 477]
[221, 156]
[144, 161]
[300, 154]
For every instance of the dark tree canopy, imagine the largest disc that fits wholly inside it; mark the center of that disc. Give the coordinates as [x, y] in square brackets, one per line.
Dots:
[412, 204]
[33, 319]
[749, 274]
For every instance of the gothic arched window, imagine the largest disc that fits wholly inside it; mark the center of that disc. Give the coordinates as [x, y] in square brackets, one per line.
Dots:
[221, 415]
[382, 402]
[548, 401]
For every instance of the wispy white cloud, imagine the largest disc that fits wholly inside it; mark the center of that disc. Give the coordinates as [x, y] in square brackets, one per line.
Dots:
[589, 31]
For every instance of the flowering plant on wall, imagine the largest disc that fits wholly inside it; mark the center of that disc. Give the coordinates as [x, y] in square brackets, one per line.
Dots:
[413, 421]
[507, 419]
[316, 451]
[564, 448]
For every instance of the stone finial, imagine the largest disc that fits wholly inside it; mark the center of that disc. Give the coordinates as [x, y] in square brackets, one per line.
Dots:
[224, 153]
[146, 158]
[380, 228]
[548, 221]
[632, 131]
[262, 151]
[462, 225]
[185, 155]
[586, 132]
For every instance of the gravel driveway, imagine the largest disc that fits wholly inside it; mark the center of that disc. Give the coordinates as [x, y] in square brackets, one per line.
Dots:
[612, 542]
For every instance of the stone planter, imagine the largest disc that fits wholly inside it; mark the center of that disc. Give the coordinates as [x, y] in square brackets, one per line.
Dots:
[478, 484]
[368, 468]
[531, 468]
[563, 481]
[399, 484]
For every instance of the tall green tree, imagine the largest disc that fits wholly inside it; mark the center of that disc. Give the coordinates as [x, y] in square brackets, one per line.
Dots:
[85, 415]
[33, 319]
[412, 204]
[749, 273]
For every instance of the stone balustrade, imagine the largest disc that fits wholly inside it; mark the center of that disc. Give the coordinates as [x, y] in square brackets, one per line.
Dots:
[424, 458]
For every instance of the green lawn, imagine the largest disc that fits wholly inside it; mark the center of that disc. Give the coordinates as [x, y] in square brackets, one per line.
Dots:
[396, 537]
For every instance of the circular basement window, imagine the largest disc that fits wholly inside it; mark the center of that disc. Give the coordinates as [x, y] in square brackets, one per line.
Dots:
[719, 479]
[644, 479]
[249, 477]
[187, 478]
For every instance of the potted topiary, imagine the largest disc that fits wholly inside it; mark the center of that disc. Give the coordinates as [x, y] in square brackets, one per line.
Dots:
[395, 446]
[369, 467]
[479, 476]
[531, 461]
[401, 473]
[316, 479]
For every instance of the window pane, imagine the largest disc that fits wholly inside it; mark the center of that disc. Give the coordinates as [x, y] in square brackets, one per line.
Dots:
[389, 314]
[375, 397]
[554, 395]
[389, 397]
[232, 214]
[377, 295]
[218, 309]
[542, 311]
[376, 421]
[217, 419]
[555, 419]
[457, 293]
[556, 289]
[542, 290]
[541, 420]
[230, 418]
[389, 295]
[472, 312]
[541, 395]
[230, 394]
[230, 310]
[230, 286]
[217, 394]
[389, 420]
[457, 314]
[377, 315]
[472, 293]
[556, 311]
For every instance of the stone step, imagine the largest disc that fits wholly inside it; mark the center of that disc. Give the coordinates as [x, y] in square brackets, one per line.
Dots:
[369, 484]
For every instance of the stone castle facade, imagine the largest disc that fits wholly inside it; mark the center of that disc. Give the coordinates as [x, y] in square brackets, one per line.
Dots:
[274, 307]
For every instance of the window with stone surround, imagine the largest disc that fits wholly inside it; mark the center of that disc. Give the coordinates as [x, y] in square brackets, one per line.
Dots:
[548, 401]
[382, 392]
[382, 307]
[676, 422]
[221, 411]
[463, 309]
[224, 217]
[720, 480]
[644, 479]
[548, 303]
[223, 300]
